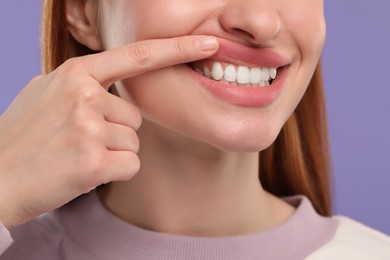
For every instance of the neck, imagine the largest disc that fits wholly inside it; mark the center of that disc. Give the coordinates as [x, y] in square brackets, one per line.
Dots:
[189, 188]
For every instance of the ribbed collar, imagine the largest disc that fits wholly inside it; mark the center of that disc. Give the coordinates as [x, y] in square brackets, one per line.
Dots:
[96, 230]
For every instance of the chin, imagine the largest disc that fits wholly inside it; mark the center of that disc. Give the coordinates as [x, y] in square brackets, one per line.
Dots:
[244, 142]
[243, 147]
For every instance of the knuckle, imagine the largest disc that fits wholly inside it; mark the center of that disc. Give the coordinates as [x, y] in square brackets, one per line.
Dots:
[90, 130]
[131, 168]
[71, 67]
[86, 136]
[137, 119]
[83, 96]
[140, 54]
[36, 79]
[180, 46]
[71, 75]
[93, 166]
[135, 164]
[88, 95]
[135, 143]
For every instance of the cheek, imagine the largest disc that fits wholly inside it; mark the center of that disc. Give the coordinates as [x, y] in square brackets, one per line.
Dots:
[158, 94]
[162, 97]
[167, 18]
[305, 23]
[164, 100]
[117, 26]
[130, 21]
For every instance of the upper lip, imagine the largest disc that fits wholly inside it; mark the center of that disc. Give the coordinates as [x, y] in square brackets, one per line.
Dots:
[236, 53]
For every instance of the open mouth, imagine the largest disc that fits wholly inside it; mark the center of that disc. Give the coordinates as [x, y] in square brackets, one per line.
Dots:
[236, 75]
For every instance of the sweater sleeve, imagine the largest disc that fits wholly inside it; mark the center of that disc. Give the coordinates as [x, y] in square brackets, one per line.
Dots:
[5, 239]
[353, 240]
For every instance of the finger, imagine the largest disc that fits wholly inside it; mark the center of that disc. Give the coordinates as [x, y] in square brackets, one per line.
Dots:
[119, 111]
[140, 57]
[120, 166]
[121, 138]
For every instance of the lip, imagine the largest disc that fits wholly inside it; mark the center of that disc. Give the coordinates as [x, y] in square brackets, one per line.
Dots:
[235, 53]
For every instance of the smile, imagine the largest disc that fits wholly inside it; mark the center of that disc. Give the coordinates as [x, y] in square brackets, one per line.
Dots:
[242, 75]
[236, 75]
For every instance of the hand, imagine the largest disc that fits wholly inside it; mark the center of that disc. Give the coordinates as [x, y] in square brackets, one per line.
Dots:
[64, 134]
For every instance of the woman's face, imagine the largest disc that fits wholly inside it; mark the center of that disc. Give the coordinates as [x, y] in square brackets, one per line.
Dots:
[255, 35]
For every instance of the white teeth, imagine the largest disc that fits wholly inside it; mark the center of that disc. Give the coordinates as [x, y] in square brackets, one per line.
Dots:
[264, 74]
[243, 75]
[273, 73]
[217, 71]
[255, 75]
[230, 73]
[264, 83]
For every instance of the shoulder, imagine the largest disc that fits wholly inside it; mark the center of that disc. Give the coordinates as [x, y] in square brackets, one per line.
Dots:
[37, 239]
[354, 240]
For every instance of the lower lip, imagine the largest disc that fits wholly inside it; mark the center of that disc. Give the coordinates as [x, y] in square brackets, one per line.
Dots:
[243, 96]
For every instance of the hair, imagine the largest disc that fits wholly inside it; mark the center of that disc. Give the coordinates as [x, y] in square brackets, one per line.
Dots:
[298, 162]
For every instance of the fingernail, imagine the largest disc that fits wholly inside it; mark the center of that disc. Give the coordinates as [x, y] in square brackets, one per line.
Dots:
[207, 43]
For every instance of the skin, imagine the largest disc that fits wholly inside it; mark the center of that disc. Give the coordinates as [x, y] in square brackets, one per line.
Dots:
[84, 123]
[195, 178]
[206, 175]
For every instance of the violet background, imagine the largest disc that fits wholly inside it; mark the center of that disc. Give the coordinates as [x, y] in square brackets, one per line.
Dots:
[356, 70]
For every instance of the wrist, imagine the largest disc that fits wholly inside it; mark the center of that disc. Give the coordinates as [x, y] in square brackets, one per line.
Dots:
[5, 215]
[7, 218]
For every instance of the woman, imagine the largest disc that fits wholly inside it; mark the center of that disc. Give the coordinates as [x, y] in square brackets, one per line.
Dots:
[196, 90]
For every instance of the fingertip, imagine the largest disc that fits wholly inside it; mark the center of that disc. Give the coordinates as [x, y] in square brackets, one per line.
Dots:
[207, 43]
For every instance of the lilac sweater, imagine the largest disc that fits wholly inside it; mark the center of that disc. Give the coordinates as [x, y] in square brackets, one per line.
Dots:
[84, 229]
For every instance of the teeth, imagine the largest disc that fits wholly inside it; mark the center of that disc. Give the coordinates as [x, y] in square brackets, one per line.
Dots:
[264, 83]
[264, 74]
[207, 72]
[241, 75]
[199, 71]
[230, 73]
[255, 75]
[273, 73]
[217, 71]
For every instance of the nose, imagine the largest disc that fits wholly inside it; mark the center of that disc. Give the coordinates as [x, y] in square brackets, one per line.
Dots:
[254, 21]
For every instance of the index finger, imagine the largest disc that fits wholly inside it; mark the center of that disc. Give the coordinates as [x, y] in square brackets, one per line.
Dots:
[130, 60]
